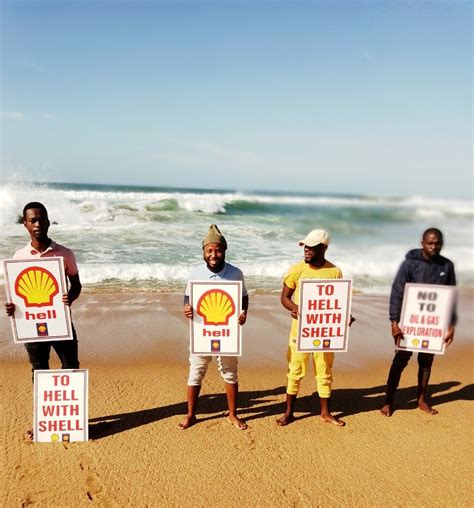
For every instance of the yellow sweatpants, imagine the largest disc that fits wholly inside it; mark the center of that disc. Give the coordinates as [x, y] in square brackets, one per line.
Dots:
[298, 365]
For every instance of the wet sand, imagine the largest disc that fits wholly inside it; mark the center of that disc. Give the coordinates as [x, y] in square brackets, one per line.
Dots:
[135, 347]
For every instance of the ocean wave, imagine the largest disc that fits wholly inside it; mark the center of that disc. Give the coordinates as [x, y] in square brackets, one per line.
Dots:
[129, 236]
[375, 276]
[76, 205]
[127, 272]
[362, 269]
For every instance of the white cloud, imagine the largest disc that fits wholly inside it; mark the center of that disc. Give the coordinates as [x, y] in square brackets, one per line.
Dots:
[205, 153]
[367, 56]
[31, 65]
[13, 115]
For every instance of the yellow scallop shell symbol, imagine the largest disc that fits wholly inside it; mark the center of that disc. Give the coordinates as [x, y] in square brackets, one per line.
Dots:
[316, 342]
[415, 342]
[54, 438]
[36, 286]
[216, 307]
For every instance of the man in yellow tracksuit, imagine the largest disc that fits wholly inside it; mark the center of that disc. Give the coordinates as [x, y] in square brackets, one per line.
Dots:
[314, 266]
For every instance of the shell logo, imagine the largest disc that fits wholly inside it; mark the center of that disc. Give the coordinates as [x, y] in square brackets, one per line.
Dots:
[36, 286]
[216, 307]
[415, 342]
[316, 342]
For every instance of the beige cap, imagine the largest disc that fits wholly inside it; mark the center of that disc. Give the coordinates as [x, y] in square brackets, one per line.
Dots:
[315, 237]
[214, 236]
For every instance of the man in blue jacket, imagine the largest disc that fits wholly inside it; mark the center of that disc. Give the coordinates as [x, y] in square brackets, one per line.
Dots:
[423, 266]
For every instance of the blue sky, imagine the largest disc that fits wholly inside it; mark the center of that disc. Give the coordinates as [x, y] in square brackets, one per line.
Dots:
[354, 97]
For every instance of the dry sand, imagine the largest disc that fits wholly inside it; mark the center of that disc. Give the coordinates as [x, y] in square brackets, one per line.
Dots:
[135, 347]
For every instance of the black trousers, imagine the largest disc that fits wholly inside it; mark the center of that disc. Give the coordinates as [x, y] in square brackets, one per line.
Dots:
[67, 351]
[400, 361]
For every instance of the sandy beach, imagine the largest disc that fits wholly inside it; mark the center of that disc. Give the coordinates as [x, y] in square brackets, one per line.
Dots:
[146, 144]
[135, 347]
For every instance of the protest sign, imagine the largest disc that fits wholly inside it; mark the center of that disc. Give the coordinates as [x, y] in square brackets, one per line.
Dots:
[36, 287]
[215, 328]
[60, 406]
[426, 315]
[324, 307]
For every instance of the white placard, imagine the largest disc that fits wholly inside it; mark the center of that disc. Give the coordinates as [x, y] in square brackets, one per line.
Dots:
[60, 412]
[426, 315]
[325, 306]
[215, 328]
[36, 287]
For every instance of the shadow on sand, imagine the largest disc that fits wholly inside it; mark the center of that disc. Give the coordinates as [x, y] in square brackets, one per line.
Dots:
[264, 403]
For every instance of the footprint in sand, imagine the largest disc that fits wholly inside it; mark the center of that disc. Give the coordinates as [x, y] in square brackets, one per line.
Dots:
[93, 483]
[94, 486]
[248, 444]
[87, 462]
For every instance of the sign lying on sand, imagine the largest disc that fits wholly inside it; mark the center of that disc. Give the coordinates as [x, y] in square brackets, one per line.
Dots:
[61, 406]
[36, 287]
[215, 328]
[426, 314]
[325, 306]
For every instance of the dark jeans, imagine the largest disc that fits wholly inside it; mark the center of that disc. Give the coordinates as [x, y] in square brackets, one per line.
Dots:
[400, 361]
[67, 351]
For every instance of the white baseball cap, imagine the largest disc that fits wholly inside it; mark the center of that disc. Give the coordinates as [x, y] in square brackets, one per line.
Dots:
[315, 237]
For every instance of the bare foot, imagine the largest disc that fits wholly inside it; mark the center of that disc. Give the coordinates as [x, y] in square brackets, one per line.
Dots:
[285, 420]
[187, 422]
[237, 422]
[332, 419]
[427, 408]
[387, 410]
